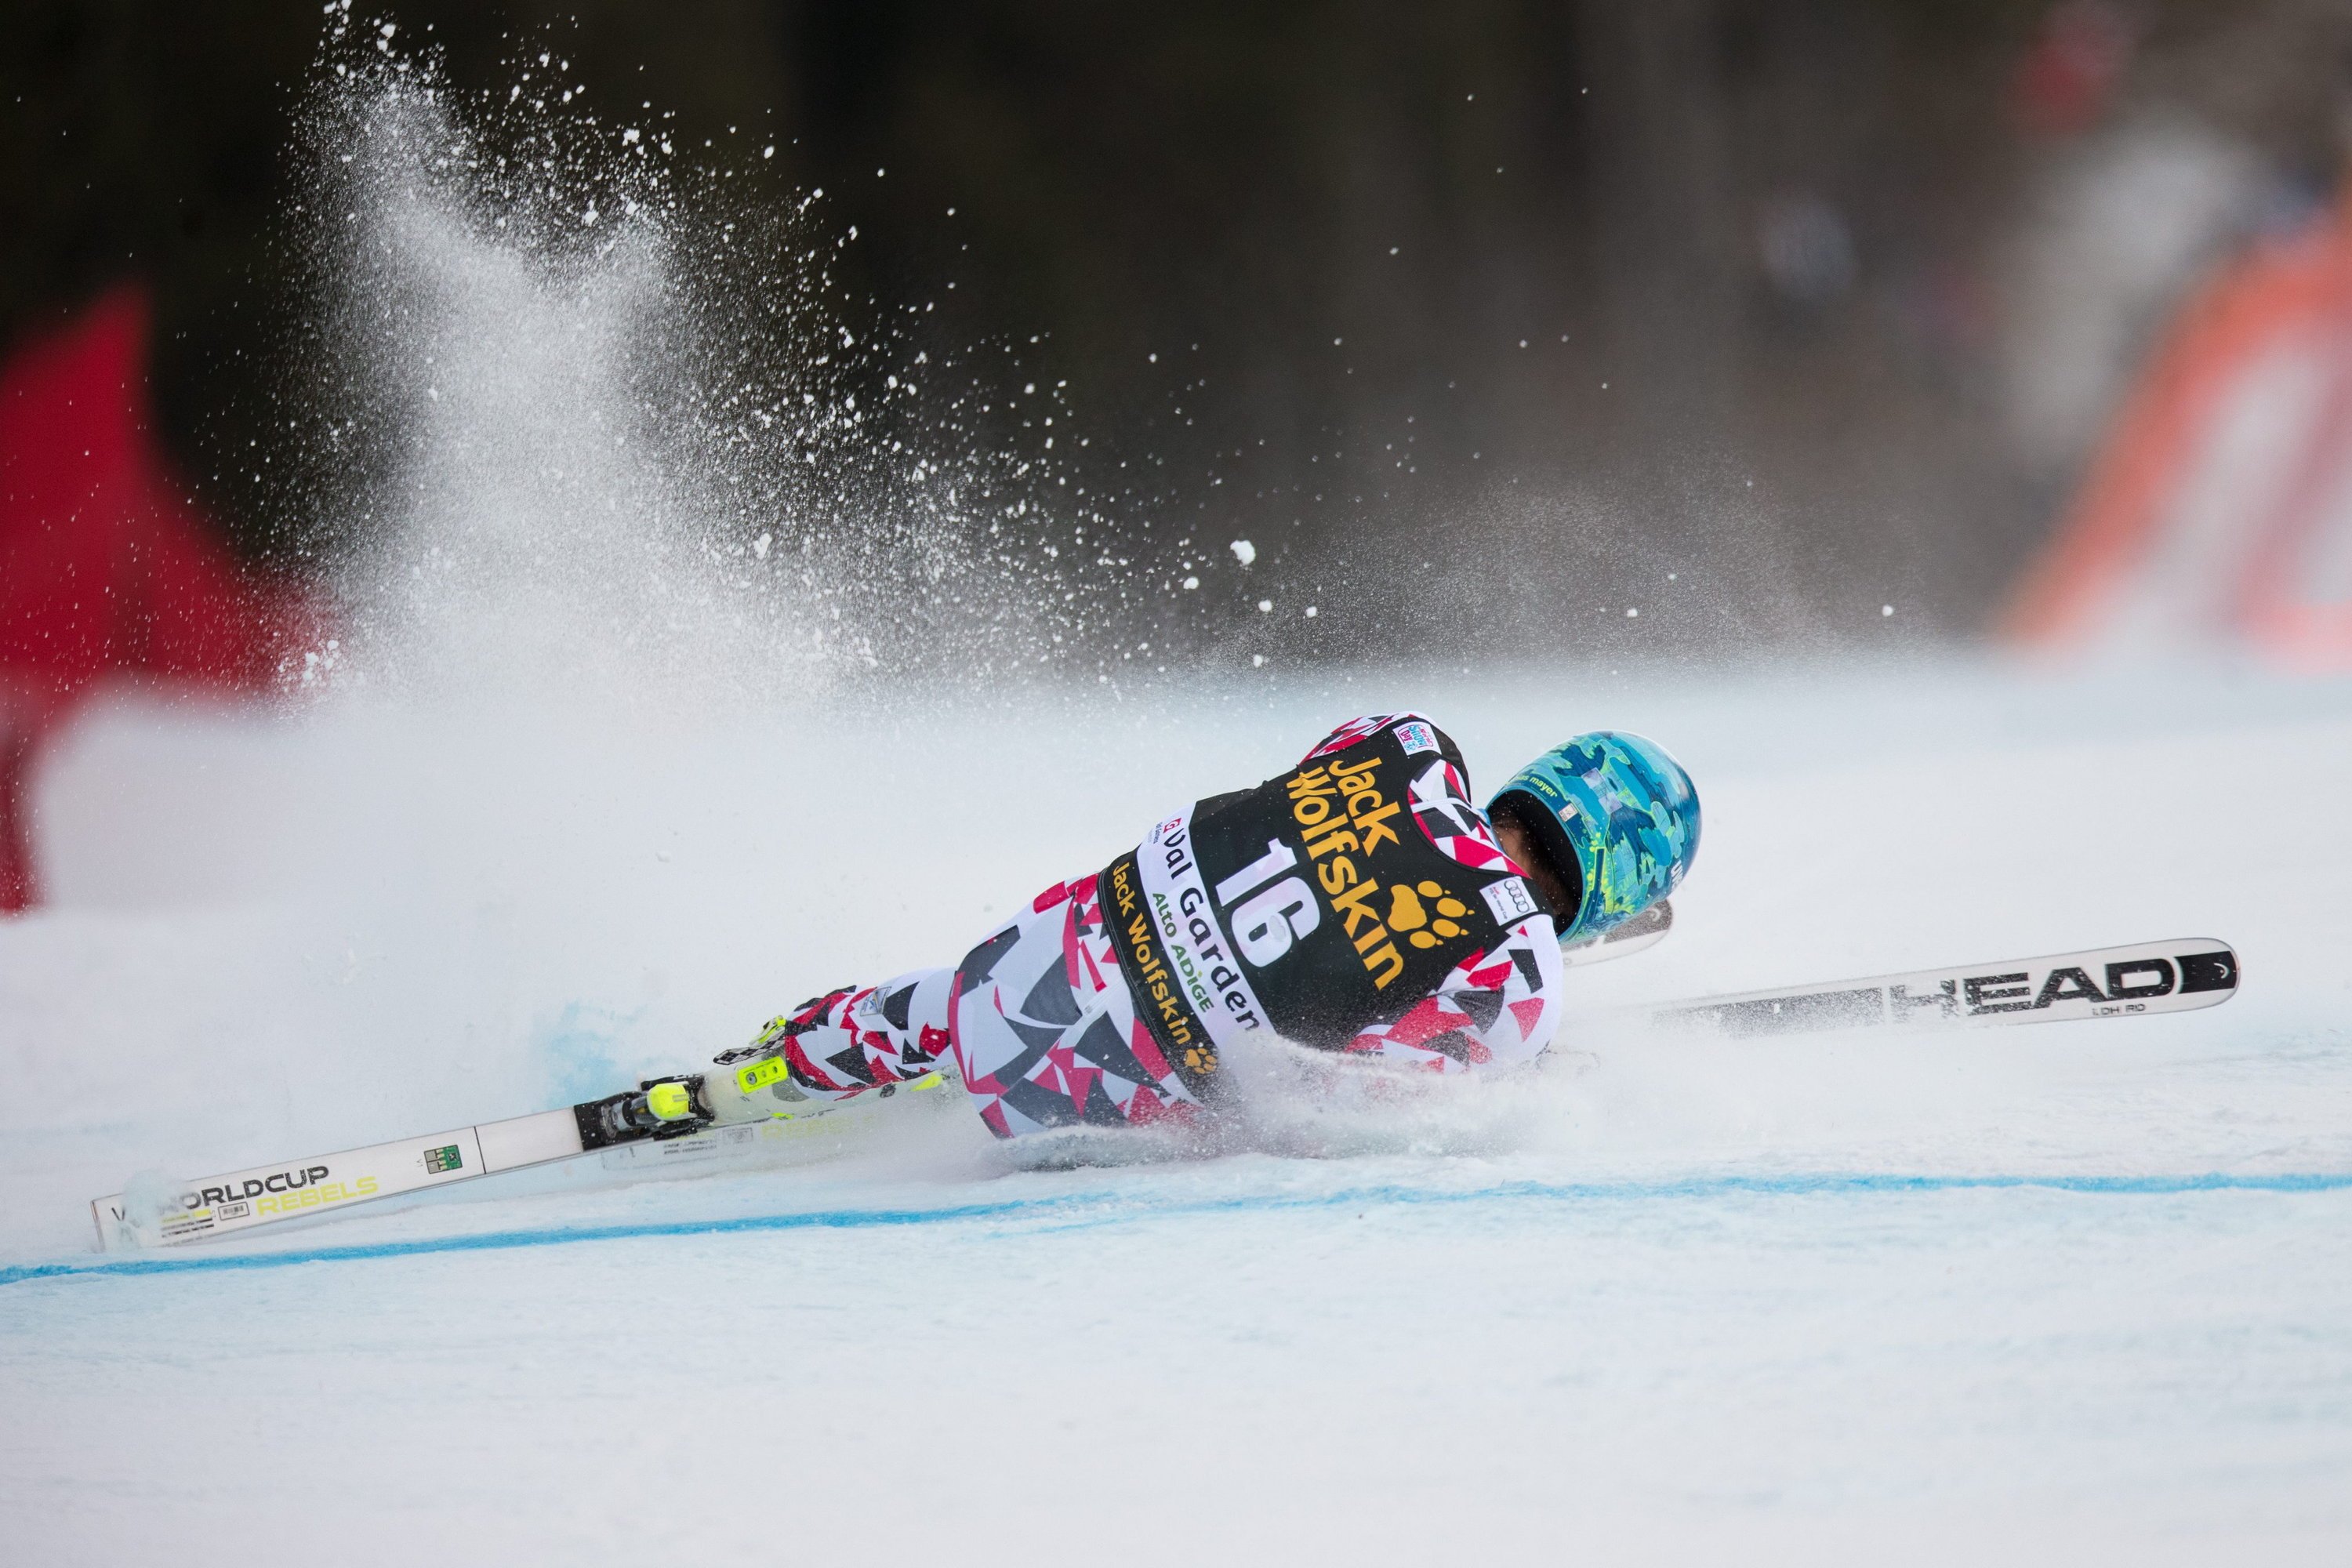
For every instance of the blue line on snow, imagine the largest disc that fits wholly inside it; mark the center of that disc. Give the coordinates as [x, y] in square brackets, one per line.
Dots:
[1097, 1209]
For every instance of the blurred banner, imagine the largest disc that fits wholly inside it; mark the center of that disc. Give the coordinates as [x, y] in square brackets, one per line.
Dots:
[2219, 511]
[106, 567]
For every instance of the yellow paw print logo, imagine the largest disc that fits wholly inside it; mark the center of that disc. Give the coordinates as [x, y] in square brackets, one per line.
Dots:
[1407, 913]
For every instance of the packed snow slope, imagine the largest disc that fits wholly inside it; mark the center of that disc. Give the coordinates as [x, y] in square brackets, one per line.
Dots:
[2071, 1292]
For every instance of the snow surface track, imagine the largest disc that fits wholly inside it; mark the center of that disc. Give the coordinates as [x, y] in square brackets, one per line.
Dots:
[2079, 1292]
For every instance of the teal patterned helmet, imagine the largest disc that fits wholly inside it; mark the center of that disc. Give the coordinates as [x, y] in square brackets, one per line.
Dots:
[1619, 818]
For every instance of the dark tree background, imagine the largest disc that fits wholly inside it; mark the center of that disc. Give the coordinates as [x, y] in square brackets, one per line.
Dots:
[1618, 288]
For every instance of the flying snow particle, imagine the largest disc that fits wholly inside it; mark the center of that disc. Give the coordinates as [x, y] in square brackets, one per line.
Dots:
[1311, 612]
[1885, 610]
[1265, 606]
[1631, 614]
[1192, 582]
[1243, 551]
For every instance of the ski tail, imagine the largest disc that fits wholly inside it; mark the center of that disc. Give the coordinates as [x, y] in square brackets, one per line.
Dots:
[2176, 976]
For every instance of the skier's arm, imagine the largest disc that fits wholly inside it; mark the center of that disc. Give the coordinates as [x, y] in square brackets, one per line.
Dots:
[1496, 1010]
[857, 1038]
[1499, 1009]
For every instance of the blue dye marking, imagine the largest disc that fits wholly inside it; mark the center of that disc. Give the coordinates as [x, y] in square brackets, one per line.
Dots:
[581, 1048]
[1094, 1209]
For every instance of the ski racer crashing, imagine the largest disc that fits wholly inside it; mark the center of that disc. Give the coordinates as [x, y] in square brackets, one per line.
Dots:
[1358, 903]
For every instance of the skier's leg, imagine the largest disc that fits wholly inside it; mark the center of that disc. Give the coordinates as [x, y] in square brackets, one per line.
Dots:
[1037, 1021]
[1045, 1031]
[836, 1047]
[832, 1048]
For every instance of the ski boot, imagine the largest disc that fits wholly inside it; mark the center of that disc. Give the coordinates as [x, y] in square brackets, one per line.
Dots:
[757, 1082]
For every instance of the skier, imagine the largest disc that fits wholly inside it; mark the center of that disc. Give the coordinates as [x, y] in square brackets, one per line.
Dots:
[1358, 903]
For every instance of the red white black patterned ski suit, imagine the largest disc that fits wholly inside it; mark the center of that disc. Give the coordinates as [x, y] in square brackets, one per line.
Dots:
[1039, 1022]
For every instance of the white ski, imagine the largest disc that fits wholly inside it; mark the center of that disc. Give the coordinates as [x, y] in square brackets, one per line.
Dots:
[245, 1200]
[265, 1194]
[2105, 982]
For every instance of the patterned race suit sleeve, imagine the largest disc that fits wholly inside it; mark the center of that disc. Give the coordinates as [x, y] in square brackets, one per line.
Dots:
[1500, 1008]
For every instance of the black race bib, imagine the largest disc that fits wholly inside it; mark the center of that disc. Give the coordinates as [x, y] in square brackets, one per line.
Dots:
[1314, 904]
